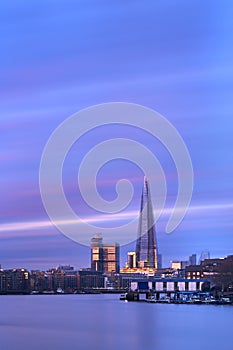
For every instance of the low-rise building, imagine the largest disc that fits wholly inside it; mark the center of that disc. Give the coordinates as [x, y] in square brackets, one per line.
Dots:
[167, 285]
[15, 281]
[89, 279]
[219, 270]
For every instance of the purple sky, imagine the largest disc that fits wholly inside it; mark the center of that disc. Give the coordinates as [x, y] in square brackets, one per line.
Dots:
[58, 57]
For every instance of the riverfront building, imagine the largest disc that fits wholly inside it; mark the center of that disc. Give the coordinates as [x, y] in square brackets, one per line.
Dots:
[89, 279]
[167, 285]
[14, 281]
[167, 289]
[217, 269]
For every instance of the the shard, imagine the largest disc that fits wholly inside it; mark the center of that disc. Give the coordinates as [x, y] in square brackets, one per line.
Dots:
[146, 247]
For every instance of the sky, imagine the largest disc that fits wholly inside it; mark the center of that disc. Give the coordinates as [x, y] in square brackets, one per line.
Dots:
[59, 57]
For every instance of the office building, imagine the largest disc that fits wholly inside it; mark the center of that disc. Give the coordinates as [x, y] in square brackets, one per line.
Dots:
[15, 281]
[97, 253]
[111, 258]
[193, 259]
[146, 246]
[160, 264]
[89, 279]
[179, 265]
[104, 257]
[204, 255]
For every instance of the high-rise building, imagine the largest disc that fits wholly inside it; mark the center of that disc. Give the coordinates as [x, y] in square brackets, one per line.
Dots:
[204, 255]
[146, 247]
[104, 257]
[160, 264]
[97, 253]
[111, 254]
[193, 259]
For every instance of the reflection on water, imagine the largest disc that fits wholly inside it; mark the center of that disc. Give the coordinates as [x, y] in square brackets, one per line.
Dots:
[103, 322]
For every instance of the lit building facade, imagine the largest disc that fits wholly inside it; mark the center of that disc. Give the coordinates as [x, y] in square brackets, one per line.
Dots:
[111, 255]
[104, 257]
[179, 265]
[132, 263]
[97, 253]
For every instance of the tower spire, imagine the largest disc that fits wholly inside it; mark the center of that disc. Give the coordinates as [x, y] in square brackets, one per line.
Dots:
[146, 247]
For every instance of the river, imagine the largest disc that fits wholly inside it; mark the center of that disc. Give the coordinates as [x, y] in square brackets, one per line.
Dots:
[103, 322]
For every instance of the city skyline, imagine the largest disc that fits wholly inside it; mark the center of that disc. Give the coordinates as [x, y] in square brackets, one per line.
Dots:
[58, 60]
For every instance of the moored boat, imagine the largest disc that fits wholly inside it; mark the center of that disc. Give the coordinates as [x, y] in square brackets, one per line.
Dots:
[151, 299]
[123, 296]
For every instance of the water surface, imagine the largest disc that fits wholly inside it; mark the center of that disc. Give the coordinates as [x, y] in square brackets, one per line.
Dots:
[103, 322]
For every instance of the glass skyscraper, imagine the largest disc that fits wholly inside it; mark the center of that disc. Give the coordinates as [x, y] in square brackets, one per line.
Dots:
[146, 246]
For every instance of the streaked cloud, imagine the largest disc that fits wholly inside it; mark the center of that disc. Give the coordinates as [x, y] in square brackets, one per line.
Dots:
[57, 60]
[193, 211]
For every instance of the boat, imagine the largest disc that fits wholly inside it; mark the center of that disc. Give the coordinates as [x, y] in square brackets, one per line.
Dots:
[194, 300]
[60, 291]
[123, 296]
[151, 299]
[209, 300]
[225, 301]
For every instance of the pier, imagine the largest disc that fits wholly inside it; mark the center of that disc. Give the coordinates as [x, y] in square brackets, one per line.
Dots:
[177, 291]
